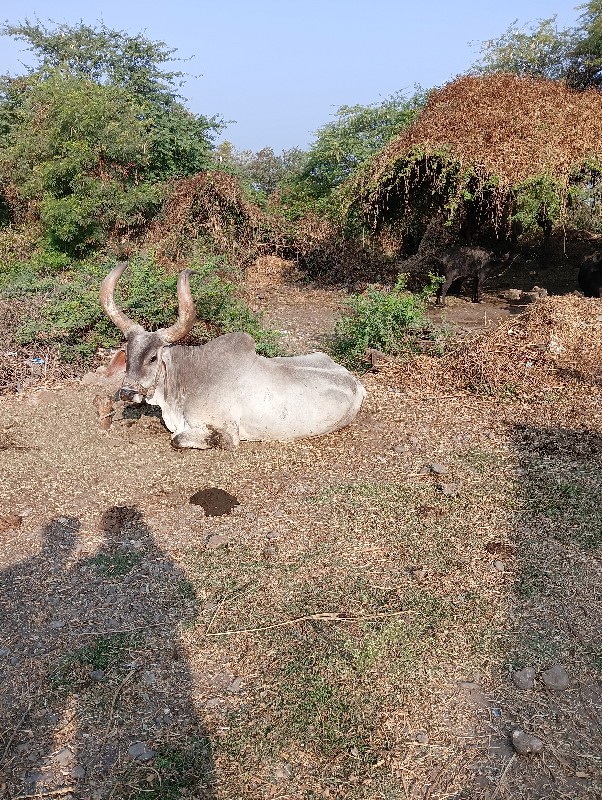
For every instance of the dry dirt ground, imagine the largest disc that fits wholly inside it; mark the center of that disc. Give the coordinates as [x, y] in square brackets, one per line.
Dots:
[342, 619]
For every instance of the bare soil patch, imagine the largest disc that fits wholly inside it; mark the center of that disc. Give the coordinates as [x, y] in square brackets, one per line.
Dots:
[352, 627]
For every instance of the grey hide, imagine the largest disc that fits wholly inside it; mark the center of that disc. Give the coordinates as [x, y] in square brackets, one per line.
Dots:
[222, 392]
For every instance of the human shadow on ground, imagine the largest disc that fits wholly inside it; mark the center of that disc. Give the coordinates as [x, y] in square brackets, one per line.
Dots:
[96, 692]
[556, 618]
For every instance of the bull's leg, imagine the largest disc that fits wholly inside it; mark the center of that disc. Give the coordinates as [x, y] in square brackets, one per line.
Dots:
[478, 286]
[226, 436]
[444, 289]
[203, 437]
[199, 438]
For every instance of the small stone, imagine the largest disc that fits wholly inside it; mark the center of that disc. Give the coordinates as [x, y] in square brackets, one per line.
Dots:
[439, 469]
[400, 448]
[57, 623]
[9, 521]
[269, 551]
[524, 678]
[525, 743]
[98, 675]
[149, 678]
[213, 702]
[449, 489]
[78, 773]
[235, 686]
[140, 751]
[419, 572]
[422, 737]
[556, 678]
[530, 297]
[63, 758]
[284, 772]
[218, 540]
[499, 566]
[373, 356]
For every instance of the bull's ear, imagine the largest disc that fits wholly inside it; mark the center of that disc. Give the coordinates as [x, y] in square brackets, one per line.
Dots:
[117, 364]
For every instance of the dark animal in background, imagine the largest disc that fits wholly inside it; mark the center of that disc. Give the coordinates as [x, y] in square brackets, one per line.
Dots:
[590, 275]
[458, 263]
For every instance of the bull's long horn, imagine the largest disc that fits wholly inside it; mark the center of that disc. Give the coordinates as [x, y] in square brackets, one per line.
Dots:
[187, 311]
[107, 300]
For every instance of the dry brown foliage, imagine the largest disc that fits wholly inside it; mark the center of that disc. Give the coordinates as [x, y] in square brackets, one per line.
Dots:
[508, 126]
[270, 271]
[502, 129]
[556, 343]
[211, 210]
[324, 251]
[18, 370]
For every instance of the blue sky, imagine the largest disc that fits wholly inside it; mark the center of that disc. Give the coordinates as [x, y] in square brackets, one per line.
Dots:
[281, 69]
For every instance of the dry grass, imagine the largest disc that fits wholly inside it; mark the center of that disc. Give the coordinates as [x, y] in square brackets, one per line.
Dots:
[351, 636]
[554, 346]
[508, 126]
[209, 213]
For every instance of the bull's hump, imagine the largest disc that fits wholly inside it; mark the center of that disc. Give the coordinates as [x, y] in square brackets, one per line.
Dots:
[231, 344]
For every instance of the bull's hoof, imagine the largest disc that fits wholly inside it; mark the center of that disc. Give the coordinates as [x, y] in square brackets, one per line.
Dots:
[187, 439]
[226, 437]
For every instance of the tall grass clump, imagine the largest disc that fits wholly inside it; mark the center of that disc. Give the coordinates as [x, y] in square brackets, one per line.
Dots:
[390, 320]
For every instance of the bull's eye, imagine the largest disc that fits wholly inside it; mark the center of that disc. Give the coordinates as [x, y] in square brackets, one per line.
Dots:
[152, 360]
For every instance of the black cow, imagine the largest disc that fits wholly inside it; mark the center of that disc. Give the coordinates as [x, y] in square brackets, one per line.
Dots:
[590, 275]
[458, 263]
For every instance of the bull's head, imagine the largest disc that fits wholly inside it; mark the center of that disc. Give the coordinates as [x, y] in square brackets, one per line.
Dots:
[143, 349]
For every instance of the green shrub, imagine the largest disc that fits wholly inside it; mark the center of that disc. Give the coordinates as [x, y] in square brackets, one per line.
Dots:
[71, 316]
[389, 320]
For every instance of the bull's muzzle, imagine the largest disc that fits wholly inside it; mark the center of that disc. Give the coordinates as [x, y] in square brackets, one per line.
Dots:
[130, 395]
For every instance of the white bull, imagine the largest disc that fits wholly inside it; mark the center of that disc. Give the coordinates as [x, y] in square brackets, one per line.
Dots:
[222, 392]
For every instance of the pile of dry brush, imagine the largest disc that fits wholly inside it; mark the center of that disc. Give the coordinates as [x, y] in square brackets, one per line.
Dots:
[494, 134]
[211, 211]
[555, 344]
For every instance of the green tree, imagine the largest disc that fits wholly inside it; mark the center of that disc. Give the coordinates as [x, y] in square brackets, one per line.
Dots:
[263, 172]
[179, 142]
[543, 50]
[74, 152]
[89, 134]
[539, 49]
[343, 145]
[101, 55]
[586, 56]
